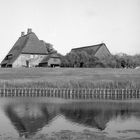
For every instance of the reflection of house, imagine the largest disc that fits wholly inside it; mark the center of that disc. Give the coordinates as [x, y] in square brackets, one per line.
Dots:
[28, 51]
[28, 119]
[51, 60]
[99, 50]
[91, 118]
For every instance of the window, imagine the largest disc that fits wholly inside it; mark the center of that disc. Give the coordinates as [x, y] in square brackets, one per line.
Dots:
[8, 57]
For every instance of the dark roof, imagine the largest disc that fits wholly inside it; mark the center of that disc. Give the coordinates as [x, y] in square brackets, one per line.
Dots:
[27, 44]
[94, 48]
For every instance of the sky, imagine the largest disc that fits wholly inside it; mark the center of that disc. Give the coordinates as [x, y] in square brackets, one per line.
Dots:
[69, 24]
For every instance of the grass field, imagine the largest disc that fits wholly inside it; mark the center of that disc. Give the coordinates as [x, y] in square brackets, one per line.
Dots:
[70, 77]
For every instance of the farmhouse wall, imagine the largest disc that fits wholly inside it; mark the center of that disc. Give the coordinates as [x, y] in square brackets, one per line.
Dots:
[28, 60]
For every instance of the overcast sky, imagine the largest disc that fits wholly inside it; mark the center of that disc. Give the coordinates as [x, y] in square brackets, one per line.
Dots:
[72, 23]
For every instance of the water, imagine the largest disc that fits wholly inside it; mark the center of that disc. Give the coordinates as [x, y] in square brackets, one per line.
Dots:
[32, 117]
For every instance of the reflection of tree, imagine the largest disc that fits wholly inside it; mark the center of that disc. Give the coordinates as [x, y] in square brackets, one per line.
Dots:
[28, 125]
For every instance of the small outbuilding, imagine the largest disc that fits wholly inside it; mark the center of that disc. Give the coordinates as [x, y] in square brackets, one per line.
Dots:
[51, 60]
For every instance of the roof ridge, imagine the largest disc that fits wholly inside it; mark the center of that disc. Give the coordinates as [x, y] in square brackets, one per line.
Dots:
[97, 45]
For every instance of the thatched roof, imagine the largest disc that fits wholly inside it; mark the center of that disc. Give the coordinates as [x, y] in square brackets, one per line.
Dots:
[26, 44]
[94, 48]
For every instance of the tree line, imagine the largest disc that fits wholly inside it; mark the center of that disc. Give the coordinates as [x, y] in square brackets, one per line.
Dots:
[87, 59]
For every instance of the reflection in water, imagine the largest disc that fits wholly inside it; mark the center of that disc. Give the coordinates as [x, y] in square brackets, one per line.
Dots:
[95, 117]
[29, 118]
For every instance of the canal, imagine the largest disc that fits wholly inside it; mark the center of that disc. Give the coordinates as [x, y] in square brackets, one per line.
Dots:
[50, 118]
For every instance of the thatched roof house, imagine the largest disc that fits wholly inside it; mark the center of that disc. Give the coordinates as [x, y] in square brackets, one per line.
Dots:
[99, 50]
[28, 51]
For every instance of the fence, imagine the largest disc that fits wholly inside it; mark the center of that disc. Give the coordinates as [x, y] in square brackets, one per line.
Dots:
[113, 94]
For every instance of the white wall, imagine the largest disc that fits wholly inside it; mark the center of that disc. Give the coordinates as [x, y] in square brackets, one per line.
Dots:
[33, 60]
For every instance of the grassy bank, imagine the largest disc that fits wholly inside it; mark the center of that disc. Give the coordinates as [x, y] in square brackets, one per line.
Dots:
[70, 77]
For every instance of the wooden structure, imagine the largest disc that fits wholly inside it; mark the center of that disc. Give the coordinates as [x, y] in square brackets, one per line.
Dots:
[66, 93]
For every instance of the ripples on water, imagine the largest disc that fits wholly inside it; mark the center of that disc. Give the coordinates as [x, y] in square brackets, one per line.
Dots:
[29, 117]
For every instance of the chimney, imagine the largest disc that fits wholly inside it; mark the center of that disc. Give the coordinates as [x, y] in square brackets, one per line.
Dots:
[29, 30]
[22, 33]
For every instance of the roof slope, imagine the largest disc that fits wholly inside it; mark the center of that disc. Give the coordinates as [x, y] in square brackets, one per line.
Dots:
[34, 45]
[27, 44]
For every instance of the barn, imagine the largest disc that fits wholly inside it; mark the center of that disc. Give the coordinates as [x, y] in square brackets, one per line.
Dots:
[28, 51]
[98, 50]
